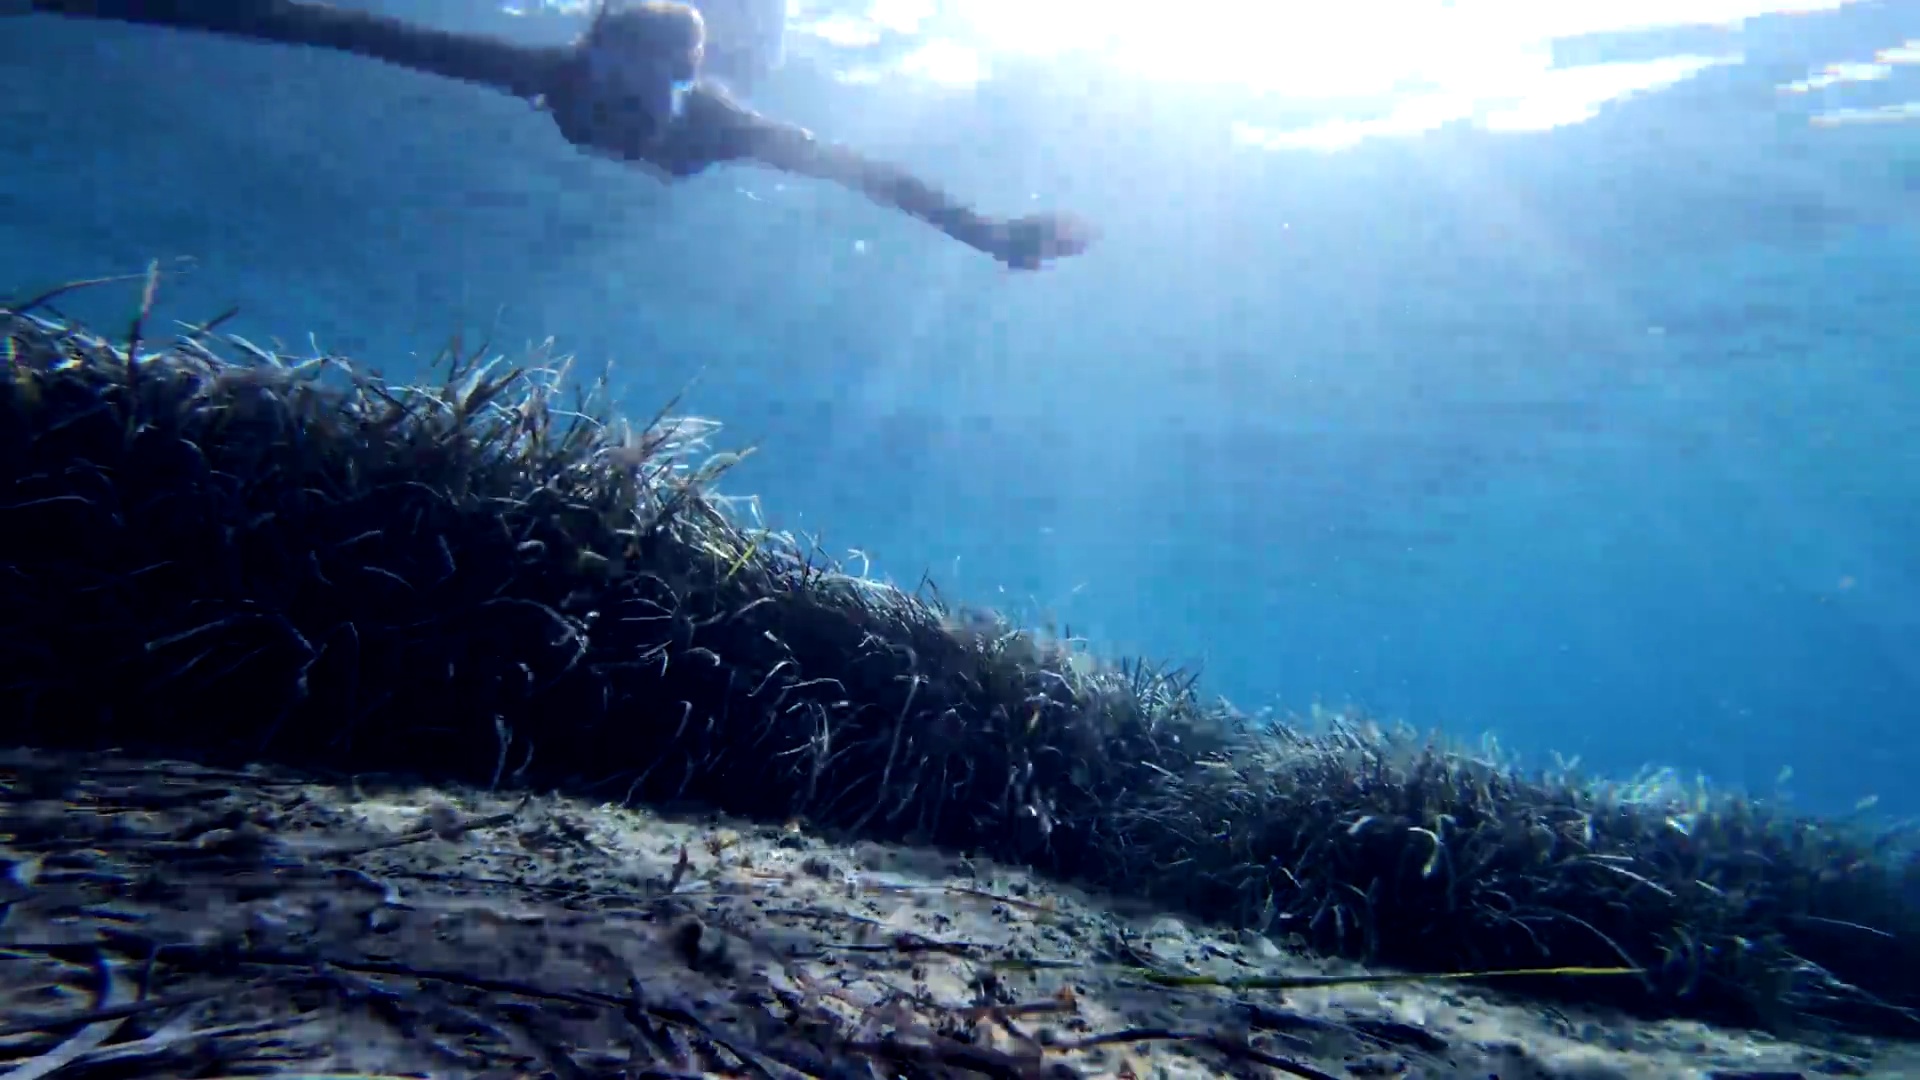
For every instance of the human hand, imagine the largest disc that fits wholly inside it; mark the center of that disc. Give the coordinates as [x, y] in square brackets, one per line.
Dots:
[1028, 242]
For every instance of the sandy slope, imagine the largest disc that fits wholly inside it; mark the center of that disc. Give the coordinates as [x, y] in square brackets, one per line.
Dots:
[167, 919]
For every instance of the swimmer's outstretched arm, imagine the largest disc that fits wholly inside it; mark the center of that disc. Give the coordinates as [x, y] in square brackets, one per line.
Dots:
[715, 128]
[521, 70]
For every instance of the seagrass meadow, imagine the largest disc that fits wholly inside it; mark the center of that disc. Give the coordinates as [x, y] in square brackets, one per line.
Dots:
[208, 550]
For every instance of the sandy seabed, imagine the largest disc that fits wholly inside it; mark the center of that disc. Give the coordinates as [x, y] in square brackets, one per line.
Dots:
[167, 919]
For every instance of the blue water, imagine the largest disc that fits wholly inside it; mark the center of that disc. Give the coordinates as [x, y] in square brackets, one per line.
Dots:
[1595, 431]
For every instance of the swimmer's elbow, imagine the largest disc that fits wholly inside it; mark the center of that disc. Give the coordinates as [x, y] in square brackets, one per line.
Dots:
[786, 147]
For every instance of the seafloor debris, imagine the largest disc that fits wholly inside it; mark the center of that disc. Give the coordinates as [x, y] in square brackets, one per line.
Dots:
[162, 918]
[223, 552]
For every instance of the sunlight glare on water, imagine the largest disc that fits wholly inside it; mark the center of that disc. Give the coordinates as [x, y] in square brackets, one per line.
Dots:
[1357, 48]
[1385, 68]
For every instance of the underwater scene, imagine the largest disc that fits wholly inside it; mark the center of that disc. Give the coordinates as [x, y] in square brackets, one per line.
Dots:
[946, 538]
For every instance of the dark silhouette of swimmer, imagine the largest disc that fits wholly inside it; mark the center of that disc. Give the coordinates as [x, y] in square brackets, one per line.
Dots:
[631, 88]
